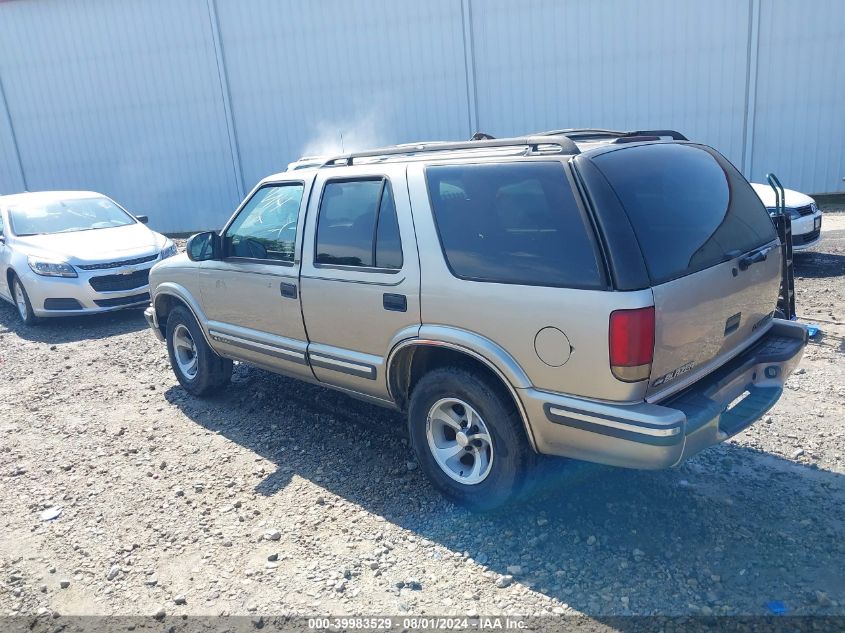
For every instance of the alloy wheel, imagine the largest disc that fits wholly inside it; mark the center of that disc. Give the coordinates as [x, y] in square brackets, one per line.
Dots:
[185, 351]
[459, 441]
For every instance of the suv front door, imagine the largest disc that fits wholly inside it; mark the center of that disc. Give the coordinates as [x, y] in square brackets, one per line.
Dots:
[251, 296]
[360, 275]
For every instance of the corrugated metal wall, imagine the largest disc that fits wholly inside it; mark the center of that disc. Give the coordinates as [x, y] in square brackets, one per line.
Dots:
[799, 114]
[177, 108]
[614, 64]
[301, 74]
[119, 97]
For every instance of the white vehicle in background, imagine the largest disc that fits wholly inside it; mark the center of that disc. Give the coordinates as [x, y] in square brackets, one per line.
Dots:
[805, 213]
[74, 252]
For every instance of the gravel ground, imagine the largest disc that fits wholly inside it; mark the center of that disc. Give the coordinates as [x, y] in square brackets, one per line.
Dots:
[277, 497]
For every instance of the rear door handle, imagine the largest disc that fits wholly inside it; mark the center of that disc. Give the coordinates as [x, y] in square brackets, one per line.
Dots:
[395, 303]
[288, 290]
[753, 258]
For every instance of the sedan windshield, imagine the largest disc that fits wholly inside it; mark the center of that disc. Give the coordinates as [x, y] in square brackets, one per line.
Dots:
[67, 216]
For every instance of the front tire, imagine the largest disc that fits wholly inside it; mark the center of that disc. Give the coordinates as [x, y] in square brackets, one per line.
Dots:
[197, 367]
[468, 438]
[22, 302]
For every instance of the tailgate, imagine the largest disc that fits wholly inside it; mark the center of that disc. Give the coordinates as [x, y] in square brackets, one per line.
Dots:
[710, 250]
[704, 319]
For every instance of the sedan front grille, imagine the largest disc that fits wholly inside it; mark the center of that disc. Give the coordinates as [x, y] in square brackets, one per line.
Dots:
[118, 264]
[807, 210]
[112, 283]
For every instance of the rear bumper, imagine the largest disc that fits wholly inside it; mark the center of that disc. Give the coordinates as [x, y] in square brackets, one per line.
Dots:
[653, 436]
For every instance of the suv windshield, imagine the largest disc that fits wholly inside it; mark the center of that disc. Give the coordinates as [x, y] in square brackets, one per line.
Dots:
[689, 207]
[66, 216]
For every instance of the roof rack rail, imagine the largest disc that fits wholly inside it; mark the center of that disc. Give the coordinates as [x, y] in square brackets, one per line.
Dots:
[532, 144]
[576, 133]
[676, 136]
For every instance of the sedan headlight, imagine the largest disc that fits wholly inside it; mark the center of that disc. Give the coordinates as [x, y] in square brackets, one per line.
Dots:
[50, 269]
[169, 250]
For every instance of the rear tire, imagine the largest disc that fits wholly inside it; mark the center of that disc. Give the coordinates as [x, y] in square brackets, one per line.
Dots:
[22, 302]
[197, 367]
[469, 439]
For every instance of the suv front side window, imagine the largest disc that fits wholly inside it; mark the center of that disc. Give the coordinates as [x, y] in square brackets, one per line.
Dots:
[358, 226]
[265, 228]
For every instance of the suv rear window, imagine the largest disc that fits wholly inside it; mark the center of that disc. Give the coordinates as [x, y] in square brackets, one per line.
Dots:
[689, 207]
[512, 223]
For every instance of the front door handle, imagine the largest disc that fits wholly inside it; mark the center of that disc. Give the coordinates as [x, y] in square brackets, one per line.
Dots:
[395, 303]
[288, 290]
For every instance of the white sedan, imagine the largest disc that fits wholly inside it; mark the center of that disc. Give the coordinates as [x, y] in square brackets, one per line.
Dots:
[74, 252]
[805, 213]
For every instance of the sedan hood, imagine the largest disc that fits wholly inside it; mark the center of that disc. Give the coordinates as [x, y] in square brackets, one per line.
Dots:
[793, 199]
[94, 246]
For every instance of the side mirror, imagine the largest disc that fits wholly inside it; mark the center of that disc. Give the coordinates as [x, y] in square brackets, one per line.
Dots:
[143, 219]
[204, 247]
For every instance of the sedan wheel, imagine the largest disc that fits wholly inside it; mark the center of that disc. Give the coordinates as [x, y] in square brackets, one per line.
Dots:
[22, 302]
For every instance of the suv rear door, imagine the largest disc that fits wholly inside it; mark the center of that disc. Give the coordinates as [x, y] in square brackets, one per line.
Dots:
[709, 249]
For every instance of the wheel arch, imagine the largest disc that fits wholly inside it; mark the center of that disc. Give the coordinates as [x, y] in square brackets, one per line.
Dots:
[411, 359]
[167, 297]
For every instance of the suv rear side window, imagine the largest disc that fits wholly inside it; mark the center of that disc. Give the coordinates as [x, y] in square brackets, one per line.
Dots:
[358, 226]
[512, 223]
[689, 207]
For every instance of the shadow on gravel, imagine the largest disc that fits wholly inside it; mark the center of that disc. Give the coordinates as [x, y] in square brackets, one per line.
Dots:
[74, 328]
[813, 265]
[732, 528]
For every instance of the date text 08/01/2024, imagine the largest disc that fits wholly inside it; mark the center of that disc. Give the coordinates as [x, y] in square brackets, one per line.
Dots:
[416, 623]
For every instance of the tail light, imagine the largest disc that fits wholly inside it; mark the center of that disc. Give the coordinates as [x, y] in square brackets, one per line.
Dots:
[631, 342]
